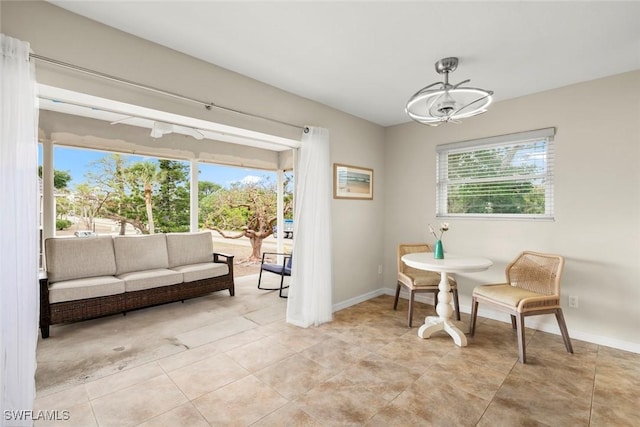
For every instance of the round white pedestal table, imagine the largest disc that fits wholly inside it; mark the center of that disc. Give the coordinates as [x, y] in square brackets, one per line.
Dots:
[450, 264]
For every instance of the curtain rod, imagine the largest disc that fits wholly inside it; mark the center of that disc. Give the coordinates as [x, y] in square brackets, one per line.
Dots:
[207, 105]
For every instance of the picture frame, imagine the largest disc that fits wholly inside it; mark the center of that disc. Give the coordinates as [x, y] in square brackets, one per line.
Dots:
[352, 182]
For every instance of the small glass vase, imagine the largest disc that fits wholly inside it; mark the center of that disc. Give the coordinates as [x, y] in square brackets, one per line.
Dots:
[438, 252]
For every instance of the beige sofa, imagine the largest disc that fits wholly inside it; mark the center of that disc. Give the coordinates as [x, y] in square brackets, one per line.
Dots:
[90, 277]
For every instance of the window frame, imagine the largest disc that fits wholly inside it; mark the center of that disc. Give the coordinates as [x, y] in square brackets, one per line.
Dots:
[502, 141]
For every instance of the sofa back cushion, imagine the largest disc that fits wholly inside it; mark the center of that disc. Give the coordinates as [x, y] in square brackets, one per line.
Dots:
[138, 253]
[79, 257]
[189, 248]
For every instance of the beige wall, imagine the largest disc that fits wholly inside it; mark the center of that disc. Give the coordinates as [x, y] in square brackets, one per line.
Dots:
[58, 34]
[597, 201]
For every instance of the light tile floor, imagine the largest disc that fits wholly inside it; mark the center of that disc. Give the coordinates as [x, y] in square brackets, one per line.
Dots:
[220, 360]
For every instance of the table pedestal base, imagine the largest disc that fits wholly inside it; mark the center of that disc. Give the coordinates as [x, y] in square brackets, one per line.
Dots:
[434, 324]
[452, 264]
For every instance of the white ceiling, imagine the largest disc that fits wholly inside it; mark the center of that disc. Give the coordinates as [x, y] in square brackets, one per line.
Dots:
[367, 58]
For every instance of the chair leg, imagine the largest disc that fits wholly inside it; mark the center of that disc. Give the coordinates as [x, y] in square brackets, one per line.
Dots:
[474, 313]
[412, 294]
[456, 303]
[564, 331]
[435, 299]
[281, 288]
[513, 322]
[395, 303]
[44, 330]
[520, 331]
[259, 279]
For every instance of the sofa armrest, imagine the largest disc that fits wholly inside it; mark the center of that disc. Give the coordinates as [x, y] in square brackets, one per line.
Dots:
[45, 309]
[228, 259]
[44, 288]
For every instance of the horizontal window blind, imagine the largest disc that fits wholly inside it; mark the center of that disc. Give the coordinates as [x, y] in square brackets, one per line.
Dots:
[508, 176]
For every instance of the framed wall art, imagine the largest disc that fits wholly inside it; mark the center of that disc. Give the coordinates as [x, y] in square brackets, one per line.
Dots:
[352, 182]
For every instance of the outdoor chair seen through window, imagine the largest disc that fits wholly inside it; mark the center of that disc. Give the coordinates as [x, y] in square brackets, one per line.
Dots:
[280, 268]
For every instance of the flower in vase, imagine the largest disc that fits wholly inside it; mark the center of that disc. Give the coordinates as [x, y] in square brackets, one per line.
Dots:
[444, 226]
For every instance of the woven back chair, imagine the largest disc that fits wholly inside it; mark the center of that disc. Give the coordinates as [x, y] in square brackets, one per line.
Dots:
[419, 280]
[532, 288]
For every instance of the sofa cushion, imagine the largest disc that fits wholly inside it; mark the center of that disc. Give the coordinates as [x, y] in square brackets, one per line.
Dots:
[201, 271]
[141, 280]
[139, 253]
[71, 258]
[90, 287]
[189, 248]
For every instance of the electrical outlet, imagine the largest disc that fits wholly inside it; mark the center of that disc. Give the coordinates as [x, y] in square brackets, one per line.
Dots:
[573, 301]
[380, 269]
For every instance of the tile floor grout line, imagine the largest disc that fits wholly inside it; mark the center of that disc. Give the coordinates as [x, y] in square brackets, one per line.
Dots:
[593, 386]
[93, 412]
[497, 391]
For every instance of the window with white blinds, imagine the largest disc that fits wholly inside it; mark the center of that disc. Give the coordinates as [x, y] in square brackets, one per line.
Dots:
[506, 176]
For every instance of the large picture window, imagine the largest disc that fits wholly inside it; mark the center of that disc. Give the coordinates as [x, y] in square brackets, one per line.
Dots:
[507, 176]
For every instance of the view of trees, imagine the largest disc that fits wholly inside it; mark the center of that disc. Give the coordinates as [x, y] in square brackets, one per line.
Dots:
[247, 207]
[60, 178]
[60, 181]
[153, 197]
[490, 181]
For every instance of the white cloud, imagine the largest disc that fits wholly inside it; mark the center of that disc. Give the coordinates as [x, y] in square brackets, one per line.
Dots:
[251, 179]
[247, 180]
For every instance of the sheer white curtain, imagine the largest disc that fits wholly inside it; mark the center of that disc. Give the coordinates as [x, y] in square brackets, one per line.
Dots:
[18, 229]
[312, 273]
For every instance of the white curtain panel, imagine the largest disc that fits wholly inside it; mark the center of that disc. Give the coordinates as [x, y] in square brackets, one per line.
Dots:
[19, 306]
[310, 300]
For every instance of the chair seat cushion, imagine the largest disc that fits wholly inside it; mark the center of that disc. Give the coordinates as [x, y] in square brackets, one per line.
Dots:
[276, 268]
[140, 280]
[205, 270]
[90, 287]
[424, 279]
[504, 294]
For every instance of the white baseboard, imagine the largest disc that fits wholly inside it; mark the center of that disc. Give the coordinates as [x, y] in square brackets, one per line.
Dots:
[357, 300]
[540, 323]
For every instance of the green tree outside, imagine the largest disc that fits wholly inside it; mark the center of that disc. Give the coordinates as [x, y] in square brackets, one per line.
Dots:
[60, 178]
[498, 185]
[171, 201]
[248, 209]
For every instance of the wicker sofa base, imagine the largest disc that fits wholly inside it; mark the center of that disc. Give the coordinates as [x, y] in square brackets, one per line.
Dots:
[73, 311]
[183, 291]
